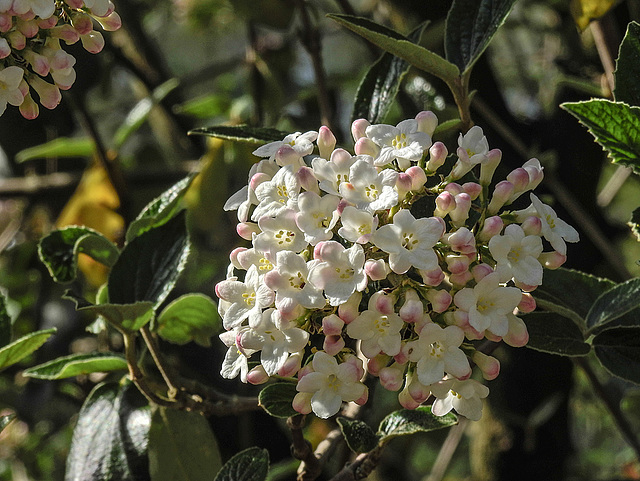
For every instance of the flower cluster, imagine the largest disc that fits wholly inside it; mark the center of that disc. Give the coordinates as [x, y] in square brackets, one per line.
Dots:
[396, 259]
[31, 55]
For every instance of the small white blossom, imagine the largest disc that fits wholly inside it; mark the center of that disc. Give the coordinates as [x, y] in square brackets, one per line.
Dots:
[278, 234]
[403, 142]
[333, 173]
[276, 195]
[10, 79]
[369, 189]
[235, 360]
[42, 8]
[301, 143]
[378, 328]
[517, 254]
[357, 225]
[317, 216]
[463, 396]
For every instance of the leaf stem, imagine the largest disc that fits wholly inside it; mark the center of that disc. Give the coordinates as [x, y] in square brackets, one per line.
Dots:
[154, 350]
[310, 468]
[460, 89]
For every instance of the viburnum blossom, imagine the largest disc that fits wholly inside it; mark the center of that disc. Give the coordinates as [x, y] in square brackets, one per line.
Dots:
[383, 258]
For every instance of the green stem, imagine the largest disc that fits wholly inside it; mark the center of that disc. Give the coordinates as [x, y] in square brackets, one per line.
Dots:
[460, 89]
[154, 349]
[136, 374]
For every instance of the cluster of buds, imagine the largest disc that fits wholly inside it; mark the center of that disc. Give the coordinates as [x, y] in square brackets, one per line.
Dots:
[390, 262]
[31, 55]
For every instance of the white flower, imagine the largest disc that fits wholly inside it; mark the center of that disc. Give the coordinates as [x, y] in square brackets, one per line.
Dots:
[301, 143]
[437, 351]
[488, 304]
[378, 328]
[517, 254]
[357, 225]
[275, 344]
[368, 189]
[290, 281]
[403, 142]
[250, 257]
[100, 8]
[463, 396]
[276, 195]
[340, 271]
[409, 241]
[246, 197]
[42, 8]
[10, 79]
[235, 360]
[247, 298]
[278, 234]
[317, 217]
[555, 230]
[331, 384]
[333, 173]
[473, 146]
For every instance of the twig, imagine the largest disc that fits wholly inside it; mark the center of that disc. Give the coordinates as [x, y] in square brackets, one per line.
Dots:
[154, 350]
[310, 468]
[614, 408]
[362, 467]
[448, 448]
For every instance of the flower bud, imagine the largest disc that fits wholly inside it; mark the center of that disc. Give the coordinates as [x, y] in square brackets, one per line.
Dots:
[333, 345]
[517, 335]
[418, 177]
[332, 325]
[437, 155]
[376, 269]
[39, 63]
[532, 225]
[427, 122]
[93, 42]
[535, 170]
[382, 302]
[445, 203]
[552, 260]
[6, 22]
[307, 179]
[286, 155]
[461, 212]
[47, 23]
[457, 264]
[82, 23]
[302, 402]
[359, 128]
[492, 226]
[377, 363]
[501, 194]
[489, 365]
[460, 279]
[75, 3]
[403, 185]
[454, 188]
[5, 49]
[462, 241]
[440, 299]
[432, 278]
[488, 168]
[257, 375]
[110, 23]
[527, 303]
[412, 309]
[391, 377]
[28, 28]
[326, 142]
[473, 189]
[49, 94]
[350, 309]
[29, 108]
[65, 32]
[366, 146]
[247, 229]
[16, 40]
[406, 401]
[520, 179]
[481, 271]
[291, 366]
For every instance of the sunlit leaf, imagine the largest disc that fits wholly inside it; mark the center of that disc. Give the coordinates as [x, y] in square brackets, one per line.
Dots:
[241, 133]
[555, 334]
[204, 107]
[614, 304]
[60, 147]
[618, 350]
[627, 88]
[277, 399]
[584, 11]
[407, 421]
[249, 465]
[359, 436]
[22, 347]
[192, 317]
[77, 364]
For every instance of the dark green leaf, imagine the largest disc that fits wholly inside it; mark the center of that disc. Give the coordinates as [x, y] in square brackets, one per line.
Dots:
[407, 421]
[60, 147]
[182, 447]
[400, 46]
[5, 420]
[22, 347]
[249, 465]
[613, 304]
[555, 334]
[150, 264]
[5, 322]
[77, 364]
[380, 85]
[192, 317]
[359, 436]
[241, 133]
[160, 209]
[628, 67]
[618, 350]
[59, 251]
[470, 26]
[111, 437]
[615, 126]
[449, 125]
[126, 318]
[276, 399]
[634, 223]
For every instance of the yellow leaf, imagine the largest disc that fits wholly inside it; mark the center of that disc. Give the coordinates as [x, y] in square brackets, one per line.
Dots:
[584, 11]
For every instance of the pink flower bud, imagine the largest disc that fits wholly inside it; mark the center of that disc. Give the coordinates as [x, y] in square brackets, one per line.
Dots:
[111, 22]
[16, 40]
[445, 203]
[333, 344]
[488, 168]
[39, 63]
[356, 363]
[460, 279]
[28, 28]
[440, 299]
[457, 264]
[492, 226]
[257, 375]
[350, 309]
[536, 174]
[403, 185]
[6, 22]
[375, 364]
[302, 402]
[47, 23]
[93, 42]
[82, 23]
[525, 287]
[527, 303]
[454, 188]
[29, 108]
[489, 365]
[233, 257]
[418, 177]
[359, 128]
[492, 337]
[391, 377]
[291, 366]
[307, 179]
[376, 269]
[432, 278]
[461, 212]
[517, 335]
[418, 391]
[49, 94]
[412, 310]
[247, 229]
[481, 271]
[65, 32]
[340, 157]
[501, 194]
[286, 155]
[473, 189]
[332, 325]
[403, 356]
[552, 260]
[382, 302]
[326, 142]
[75, 3]
[437, 155]
[427, 122]
[362, 400]
[462, 240]
[5, 49]
[366, 146]
[519, 178]
[406, 401]
[532, 225]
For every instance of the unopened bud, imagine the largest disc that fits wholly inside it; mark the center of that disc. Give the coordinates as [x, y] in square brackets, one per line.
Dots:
[517, 335]
[93, 42]
[5, 49]
[527, 303]
[247, 229]
[552, 260]
[412, 310]
[532, 225]
[359, 128]
[437, 155]
[461, 212]
[418, 177]
[350, 309]
[489, 365]
[445, 203]
[366, 146]
[49, 94]
[376, 269]
[492, 227]
[257, 375]
[440, 299]
[391, 377]
[29, 108]
[291, 366]
[333, 345]
[488, 168]
[481, 271]
[432, 278]
[501, 194]
[82, 23]
[427, 122]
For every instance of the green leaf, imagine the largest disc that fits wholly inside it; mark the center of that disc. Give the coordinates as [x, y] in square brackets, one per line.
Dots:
[5, 420]
[5, 322]
[634, 223]
[60, 147]
[613, 304]
[150, 264]
[249, 465]
[448, 125]
[111, 436]
[160, 209]
[627, 72]
[77, 364]
[380, 85]
[555, 334]
[276, 399]
[192, 317]
[204, 107]
[400, 46]
[140, 112]
[59, 251]
[470, 25]
[407, 421]
[241, 133]
[618, 350]
[22, 347]
[359, 436]
[182, 447]
[615, 126]
[127, 318]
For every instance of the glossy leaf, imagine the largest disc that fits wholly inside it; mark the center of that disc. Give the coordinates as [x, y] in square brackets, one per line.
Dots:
[111, 436]
[60, 147]
[584, 11]
[555, 334]
[359, 436]
[160, 209]
[618, 350]
[241, 133]
[5, 322]
[5, 420]
[59, 251]
[77, 364]
[613, 304]
[249, 465]
[276, 399]
[469, 28]
[400, 46]
[182, 447]
[22, 347]
[615, 126]
[192, 317]
[407, 421]
[627, 73]
[150, 264]
[381, 83]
